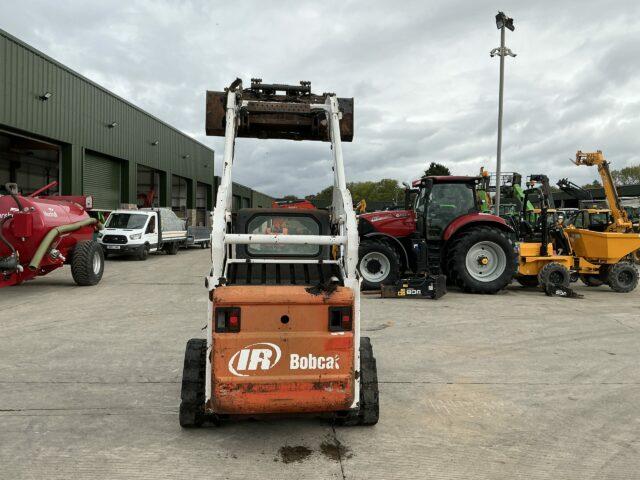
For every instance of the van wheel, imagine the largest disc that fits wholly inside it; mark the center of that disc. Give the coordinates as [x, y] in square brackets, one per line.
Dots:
[87, 263]
[193, 378]
[368, 412]
[143, 254]
[172, 248]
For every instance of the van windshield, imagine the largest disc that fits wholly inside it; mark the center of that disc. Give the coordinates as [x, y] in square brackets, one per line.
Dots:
[127, 221]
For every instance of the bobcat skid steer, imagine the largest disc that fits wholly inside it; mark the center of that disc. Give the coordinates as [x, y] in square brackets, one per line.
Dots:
[283, 326]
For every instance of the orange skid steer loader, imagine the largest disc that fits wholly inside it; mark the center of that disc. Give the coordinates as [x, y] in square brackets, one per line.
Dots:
[283, 326]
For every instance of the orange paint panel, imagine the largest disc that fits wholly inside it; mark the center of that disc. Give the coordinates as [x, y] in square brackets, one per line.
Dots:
[284, 359]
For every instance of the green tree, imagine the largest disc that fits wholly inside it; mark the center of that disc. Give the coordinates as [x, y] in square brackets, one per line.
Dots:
[594, 184]
[626, 176]
[385, 190]
[437, 169]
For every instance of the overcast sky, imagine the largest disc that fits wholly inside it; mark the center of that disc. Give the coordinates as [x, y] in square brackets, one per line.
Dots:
[424, 85]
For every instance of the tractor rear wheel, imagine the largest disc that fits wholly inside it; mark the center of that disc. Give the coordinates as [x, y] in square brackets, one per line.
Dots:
[368, 412]
[379, 264]
[623, 277]
[193, 378]
[87, 263]
[591, 280]
[482, 260]
[554, 274]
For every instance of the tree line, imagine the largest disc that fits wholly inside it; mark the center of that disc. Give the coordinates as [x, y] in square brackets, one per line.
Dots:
[390, 191]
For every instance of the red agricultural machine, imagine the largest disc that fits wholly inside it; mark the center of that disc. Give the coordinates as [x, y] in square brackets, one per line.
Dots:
[444, 232]
[40, 234]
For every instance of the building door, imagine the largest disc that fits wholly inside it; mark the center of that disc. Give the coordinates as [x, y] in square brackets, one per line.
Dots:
[102, 178]
[30, 163]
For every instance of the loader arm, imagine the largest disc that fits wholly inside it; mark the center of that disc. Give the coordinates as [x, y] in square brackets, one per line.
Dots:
[621, 222]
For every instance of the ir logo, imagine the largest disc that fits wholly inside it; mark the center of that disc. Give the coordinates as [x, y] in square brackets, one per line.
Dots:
[256, 356]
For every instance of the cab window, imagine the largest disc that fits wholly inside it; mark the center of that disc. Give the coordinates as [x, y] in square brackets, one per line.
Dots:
[446, 203]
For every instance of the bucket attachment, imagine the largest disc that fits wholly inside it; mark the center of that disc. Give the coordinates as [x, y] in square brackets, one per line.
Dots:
[428, 286]
[277, 111]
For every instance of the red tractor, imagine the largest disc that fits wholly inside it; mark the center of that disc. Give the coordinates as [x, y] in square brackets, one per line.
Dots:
[40, 234]
[443, 233]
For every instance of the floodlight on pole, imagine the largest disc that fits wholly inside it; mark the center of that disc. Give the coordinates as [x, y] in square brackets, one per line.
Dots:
[502, 22]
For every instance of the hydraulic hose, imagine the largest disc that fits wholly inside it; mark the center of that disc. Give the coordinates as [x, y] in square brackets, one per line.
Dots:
[4, 240]
[48, 239]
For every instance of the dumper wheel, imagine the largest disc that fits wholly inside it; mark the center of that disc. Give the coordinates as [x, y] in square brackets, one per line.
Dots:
[87, 263]
[193, 378]
[555, 275]
[623, 277]
[591, 280]
[369, 410]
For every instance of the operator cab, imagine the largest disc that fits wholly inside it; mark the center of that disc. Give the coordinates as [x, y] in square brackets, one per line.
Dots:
[287, 270]
[441, 200]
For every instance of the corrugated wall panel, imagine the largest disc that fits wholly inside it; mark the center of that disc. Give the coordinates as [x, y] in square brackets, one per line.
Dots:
[79, 112]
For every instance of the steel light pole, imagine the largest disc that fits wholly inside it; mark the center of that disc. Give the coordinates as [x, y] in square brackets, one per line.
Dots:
[502, 22]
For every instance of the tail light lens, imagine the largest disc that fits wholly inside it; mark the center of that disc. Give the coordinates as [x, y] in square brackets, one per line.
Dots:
[340, 319]
[227, 320]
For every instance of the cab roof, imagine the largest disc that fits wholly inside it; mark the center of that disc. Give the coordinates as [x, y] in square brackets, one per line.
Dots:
[446, 179]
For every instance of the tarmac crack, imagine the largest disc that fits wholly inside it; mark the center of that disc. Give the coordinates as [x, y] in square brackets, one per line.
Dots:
[338, 449]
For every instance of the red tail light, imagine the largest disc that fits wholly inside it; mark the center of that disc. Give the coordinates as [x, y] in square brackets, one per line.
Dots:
[340, 319]
[227, 319]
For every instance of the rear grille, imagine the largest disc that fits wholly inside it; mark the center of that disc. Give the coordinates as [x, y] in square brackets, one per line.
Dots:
[281, 274]
[117, 239]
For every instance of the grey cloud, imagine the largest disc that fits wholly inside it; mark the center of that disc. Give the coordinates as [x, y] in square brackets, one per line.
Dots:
[424, 85]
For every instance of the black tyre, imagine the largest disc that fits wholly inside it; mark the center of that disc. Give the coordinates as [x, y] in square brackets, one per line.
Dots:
[87, 263]
[555, 275]
[623, 277]
[193, 379]
[171, 248]
[482, 260]
[591, 280]
[143, 253]
[527, 280]
[368, 412]
[378, 264]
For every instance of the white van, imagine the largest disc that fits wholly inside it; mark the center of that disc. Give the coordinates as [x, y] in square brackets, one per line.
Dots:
[144, 231]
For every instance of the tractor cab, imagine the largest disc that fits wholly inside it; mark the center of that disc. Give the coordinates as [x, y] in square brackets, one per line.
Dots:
[441, 200]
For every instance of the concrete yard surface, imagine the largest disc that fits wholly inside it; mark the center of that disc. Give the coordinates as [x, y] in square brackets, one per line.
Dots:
[516, 386]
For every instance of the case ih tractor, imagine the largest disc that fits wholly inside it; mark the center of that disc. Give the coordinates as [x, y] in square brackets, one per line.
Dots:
[41, 234]
[283, 325]
[444, 233]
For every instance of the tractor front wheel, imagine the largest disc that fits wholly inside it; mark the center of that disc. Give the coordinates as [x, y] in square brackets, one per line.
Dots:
[482, 260]
[87, 263]
[379, 264]
[623, 277]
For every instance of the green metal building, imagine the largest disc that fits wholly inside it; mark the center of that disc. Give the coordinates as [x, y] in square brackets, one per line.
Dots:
[56, 124]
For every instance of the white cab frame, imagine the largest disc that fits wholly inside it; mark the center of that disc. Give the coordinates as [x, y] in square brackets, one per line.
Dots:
[342, 215]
